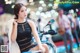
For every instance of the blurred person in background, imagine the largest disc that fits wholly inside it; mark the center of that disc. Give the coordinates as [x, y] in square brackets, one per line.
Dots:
[1, 42]
[5, 40]
[78, 21]
[64, 29]
[78, 13]
[73, 22]
[21, 32]
[77, 27]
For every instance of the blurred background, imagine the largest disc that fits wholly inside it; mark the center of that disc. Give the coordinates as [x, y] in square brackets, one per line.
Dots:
[41, 12]
[43, 9]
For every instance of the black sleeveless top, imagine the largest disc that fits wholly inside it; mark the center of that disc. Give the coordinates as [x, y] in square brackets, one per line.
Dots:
[24, 36]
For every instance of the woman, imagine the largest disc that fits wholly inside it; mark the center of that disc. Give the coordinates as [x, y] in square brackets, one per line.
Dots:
[22, 31]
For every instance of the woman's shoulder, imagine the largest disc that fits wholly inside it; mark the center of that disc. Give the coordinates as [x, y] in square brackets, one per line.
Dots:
[30, 21]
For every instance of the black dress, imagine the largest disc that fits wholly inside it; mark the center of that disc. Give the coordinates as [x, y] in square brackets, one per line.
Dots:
[24, 37]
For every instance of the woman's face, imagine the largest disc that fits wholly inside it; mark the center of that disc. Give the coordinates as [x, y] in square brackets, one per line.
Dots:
[22, 12]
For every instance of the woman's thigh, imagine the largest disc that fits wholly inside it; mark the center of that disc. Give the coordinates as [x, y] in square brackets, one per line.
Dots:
[36, 48]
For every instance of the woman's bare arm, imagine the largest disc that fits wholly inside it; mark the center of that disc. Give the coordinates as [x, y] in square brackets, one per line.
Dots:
[35, 33]
[14, 32]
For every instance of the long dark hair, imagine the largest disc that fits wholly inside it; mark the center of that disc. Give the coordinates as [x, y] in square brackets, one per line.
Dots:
[28, 16]
[17, 9]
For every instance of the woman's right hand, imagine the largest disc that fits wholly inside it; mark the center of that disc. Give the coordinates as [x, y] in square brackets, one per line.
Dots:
[15, 23]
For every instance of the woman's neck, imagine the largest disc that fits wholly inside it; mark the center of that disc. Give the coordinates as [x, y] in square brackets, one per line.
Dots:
[21, 20]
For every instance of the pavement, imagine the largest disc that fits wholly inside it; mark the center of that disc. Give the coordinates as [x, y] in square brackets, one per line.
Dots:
[77, 51]
[61, 49]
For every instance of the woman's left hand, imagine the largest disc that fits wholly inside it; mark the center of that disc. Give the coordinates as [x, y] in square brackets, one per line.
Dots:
[42, 49]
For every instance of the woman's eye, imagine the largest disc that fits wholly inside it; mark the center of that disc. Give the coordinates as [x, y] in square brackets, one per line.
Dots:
[22, 11]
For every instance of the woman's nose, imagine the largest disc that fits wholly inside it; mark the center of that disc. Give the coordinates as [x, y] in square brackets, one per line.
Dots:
[25, 13]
